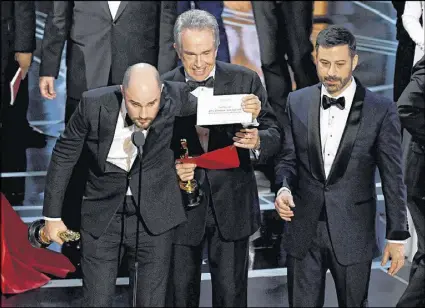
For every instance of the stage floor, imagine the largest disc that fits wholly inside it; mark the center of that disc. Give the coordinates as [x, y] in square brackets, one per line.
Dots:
[266, 288]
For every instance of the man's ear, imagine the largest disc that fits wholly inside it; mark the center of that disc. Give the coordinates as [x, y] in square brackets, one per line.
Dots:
[177, 50]
[355, 61]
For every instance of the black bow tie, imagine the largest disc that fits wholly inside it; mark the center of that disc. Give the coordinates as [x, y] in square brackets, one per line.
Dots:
[208, 83]
[128, 121]
[330, 101]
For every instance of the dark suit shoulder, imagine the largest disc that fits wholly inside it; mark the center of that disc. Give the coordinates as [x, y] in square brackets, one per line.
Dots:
[100, 92]
[92, 100]
[378, 101]
[169, 75]
[304, 94]
[306, 91]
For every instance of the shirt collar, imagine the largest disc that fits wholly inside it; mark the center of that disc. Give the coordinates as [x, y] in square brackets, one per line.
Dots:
[211, 74]
[348, 93]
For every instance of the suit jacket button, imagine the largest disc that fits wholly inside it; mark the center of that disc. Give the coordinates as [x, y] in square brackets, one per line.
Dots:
[326, 188]
[129, 177]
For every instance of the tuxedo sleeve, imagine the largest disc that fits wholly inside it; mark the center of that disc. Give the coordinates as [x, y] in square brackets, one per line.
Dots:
[285, 161]
[411, 105]
[389, 160]
[24, 26]
[58, 24]
[64, 157]
[268, 130]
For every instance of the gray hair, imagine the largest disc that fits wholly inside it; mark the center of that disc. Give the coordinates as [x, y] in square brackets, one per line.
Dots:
[196, 19]
[127, 74]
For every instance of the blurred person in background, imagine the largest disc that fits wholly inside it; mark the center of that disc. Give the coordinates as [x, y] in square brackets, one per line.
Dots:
[414, 12]
[17, 47]
[411, 108]
[405, 53]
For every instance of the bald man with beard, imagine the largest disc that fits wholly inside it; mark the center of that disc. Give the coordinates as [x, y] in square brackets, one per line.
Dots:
[104, 122]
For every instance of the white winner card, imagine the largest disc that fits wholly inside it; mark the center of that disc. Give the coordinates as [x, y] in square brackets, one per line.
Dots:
[221, 109]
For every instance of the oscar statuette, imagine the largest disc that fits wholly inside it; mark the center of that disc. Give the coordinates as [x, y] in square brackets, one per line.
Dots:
[38, 238]
[190, 189]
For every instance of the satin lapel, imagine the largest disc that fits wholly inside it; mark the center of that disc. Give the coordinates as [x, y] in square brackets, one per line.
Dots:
[121, 8]
[105, 8]
[223, 82]
[107, 123]
[348, 137]
[314, 141]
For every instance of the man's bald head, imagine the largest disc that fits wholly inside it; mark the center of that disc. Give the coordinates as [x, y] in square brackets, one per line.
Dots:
[141, 74]
[142, 93]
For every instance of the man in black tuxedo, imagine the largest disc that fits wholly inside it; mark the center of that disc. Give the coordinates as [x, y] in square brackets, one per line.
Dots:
[103, 39]
[411, 108]
[341, 133]
[104, 122]
[230, 211]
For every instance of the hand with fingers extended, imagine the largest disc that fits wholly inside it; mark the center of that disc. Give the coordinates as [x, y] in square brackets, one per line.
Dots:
[284, 204]
[247, 138]
[395, 251]
[186, 172]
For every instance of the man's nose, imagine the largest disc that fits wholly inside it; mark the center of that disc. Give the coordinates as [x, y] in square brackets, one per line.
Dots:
[143, 113]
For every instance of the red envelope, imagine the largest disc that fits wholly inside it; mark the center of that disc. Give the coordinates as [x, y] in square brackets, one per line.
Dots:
[225, 158]
[14, 86]
[23, 266]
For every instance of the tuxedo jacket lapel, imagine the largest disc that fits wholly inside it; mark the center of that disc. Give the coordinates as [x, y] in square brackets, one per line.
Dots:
[121, 8]
[223, 82]
[107, 124]
[349, 136]
[105, 7]
[314, 140]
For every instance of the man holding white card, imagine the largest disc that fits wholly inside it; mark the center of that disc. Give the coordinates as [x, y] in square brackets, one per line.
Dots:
[229, 212]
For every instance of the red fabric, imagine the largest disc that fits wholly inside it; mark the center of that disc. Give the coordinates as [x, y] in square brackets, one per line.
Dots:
[22, 266]
[225, 158]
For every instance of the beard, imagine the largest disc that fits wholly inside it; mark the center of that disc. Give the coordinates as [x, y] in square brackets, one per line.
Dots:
[338, 83]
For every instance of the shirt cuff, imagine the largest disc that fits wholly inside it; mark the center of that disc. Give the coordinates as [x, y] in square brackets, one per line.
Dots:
[253, 123]
[397, 242]
[52, 219]
[283, 189]
[256, 153]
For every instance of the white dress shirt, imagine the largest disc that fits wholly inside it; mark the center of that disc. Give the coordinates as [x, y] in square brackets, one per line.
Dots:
[203, 132]
[332, 124]
[122, 152]
[113, 7]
